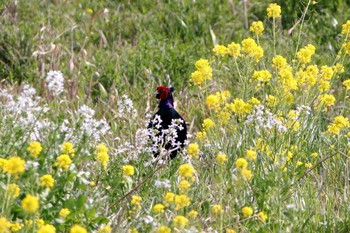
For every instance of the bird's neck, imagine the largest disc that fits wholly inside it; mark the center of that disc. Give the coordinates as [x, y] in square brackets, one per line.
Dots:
[168, 103]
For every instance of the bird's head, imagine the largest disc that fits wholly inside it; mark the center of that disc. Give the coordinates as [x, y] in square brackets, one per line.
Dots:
[164, 92]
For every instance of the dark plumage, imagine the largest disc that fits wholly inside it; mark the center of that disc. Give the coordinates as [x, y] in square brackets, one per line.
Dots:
[167, 114]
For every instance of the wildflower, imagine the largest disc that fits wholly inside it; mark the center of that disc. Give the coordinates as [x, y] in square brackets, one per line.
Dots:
[341, 122]
[229, 230]
[101, 148]
[34, 148]
[105, 229]
[13, 190]
[133, 230]
[220, 50]
[208, 124]
[193, 150]
[77, 229]
[239, 107]
[251, 154]
[271, 100]
[338, 68]
[183, 186]
[234, 49]
[201, 135]
[14, 227]
[254, 101]
[64, 212]
[197, 77]
[252, 49]
[274, 11]
[308, 165]
[181, 201]
[217, 209]
[3, 163]
[223, 117]
[346, 83]
[128, 170]
[204, 72]
[326, 72]
[262, 75]
[68, 148]
[4, 225]
[158, 208]
[186, 171]
[180, 221]
[55, 82]
[221, 158]
[257, 27]
[241, 163]
[304, 54]
[192, 214]
[169, 197]
[263, 216]
[136, 201]
[346, 28]
[213, 103]
[89, 11]
[314, 155]
[47, 228]
[163, 229]
[247, 174]
[279, 62]
[47, 181]
[247, 211]
[327, 99]
[63, 161]
[299, 163]
[30, 203]
[15, 165]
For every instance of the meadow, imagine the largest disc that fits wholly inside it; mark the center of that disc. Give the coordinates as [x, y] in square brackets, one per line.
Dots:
[263, 87]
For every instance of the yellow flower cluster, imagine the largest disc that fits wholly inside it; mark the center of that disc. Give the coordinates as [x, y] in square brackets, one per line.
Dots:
[47, 181]
[193, 150]
[346, 28]
[64, 212]
[239, 107]
[184, 186]
[105, 229]
[221, 158]
[15, 165]
[180, 221]
[247, 211]
[274, 11]
[327, 100]
[338, 124]
[47, 228]
[257, 27]
[181, 201]
[262, 75]
[242, 164]
[217, 210]
[203, 73]
[208, 124]
[68, 148]
[163, 229]
[63, 161]
[252, 49]
[304, 54]
[158, 208]
[77, 229]
[308, 76]
[279, 62]
[136, 201]
[30, 203]
[186, 171]
[346, 83]
[13, 190]
[220, 50]
[234, 49]
[34, 148]
[128, 170]
[251, 154]
[102, 155]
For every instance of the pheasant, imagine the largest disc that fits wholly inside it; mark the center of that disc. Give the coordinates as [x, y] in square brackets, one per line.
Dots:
[168, 127]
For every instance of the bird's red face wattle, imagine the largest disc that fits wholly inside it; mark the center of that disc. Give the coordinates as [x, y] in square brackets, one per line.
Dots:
[163, 92]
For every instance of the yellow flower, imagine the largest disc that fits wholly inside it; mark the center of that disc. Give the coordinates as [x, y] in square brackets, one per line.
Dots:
[105, 229]
[158, 208]
[15, 165]
[136, 201]
[234, 49]
[327, 99]
[201, 135]
[251, 154]
[14, 227]
[252, 49]
[47, 181]
[247, 211]
[64, 212]
[197, 77]
[274, 11]
[30, 203]
[180, 221]
[308, 165]
[346, 47]
[192, 214]
[220, 50]
[3, 163]
[68, 148]
[262, 75]
[229, 230]
[246, 174]
[314, 155]
[34, 148]
[77, 229]
[257, 27]
[13, 190]
[241, 163]
[262, 216]
[163, 229]
[183, 186]
[326, 72]
[213, 103]
[279, 62]
[128, 170]
[203, 66]
[346, 28]
[346, 83]
[133, 230]
[47, 228]
[101, 148]
[217, 209]
[221, 158]
[271, 100]
[63, 161]
[304, 54]
[254, 101]
[239, 107]
[186, 171]
[338, 68]
[169, 197]
[208, 124]
[102, 155]
[181, 201]
[193, 150]
[4, 225]
[89, 11]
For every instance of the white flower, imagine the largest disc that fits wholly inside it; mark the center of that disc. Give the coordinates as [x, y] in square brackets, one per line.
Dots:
[55, 82]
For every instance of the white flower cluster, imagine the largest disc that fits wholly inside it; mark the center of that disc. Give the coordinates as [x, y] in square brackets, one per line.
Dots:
[25, 112]
[126, 108]
[264, 120]
[55, 82]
